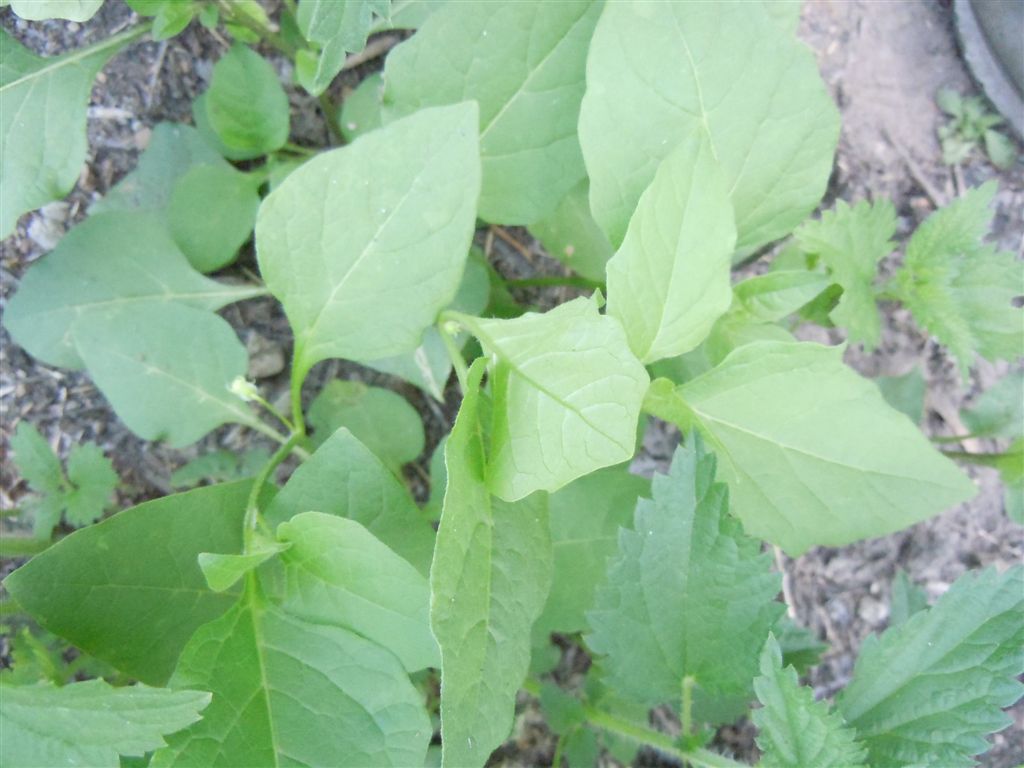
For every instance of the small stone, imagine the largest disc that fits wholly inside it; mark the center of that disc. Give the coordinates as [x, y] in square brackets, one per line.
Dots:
[266, 358]
[873, 611]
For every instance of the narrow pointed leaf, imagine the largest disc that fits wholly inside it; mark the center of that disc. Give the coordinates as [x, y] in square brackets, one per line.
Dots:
[339, 28]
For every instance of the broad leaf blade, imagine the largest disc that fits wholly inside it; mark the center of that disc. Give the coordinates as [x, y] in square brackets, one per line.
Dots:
[488, 581]
[523, 62]
[72, 10]
[570, 234]
[928, 691]
[366, 285]
[89, 724]
[703, 592]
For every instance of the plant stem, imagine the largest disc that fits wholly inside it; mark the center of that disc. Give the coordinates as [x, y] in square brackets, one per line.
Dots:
[458, 361]
[574, 281]
[329, 110]
[266, 33]
[686, 713]
[297, 149]
[22, 546]
[981, 459]
[252, 508]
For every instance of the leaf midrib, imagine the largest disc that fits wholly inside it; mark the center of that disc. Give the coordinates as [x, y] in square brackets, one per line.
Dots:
[74, 58]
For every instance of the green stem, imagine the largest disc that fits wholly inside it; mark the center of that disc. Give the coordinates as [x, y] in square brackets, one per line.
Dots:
[330, 110]
[458, 361]
[981, 459]
[22, 546]
[686, 714]
[252, 507]
[266, 33]
[297, 149]
[574, 281]
[298, 378]
[947, 439]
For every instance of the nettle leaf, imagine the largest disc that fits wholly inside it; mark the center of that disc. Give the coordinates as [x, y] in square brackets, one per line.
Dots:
[72, 10]
[669, 281]
[795, 731]
[585, 519]
[567, 394]
[336, 572]
[287, 691]
[144, 361]
[339, 28]
[523, 63]
[380, 419]
[660, 72]
[488, 583]
[107, 262]
[928, 691]
[907, 599]
[688, 594]
[42, 121]
[129, 590]
[93, 480]
[361, 109]
[800, 647]
[851, 242]
[365, 285]
[245, 105]
[89, 723]
[960, 290]
[570, 234]
[36, 461]
[344, 478]
[812, 453]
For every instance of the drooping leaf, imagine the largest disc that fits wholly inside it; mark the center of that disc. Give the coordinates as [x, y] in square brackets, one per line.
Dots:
[336, 572]
[380, 419]
[776, 295]
[42, 121]
[291, 692]
[688, 594]
[570, 234]
[93, 480]
[360, 111]
[999, 412]
[72, 10]
[851, 242]
[960, 290]
[795, 731]
[365, 285]
[907, 599]
[659, 72]
[108, 261]
[90, 723]
[905, 393]
[338, 27]
[344, 478]
[129, 590]
[488, 582]
[585, 519]
[144, 361]
[523, 63]
[567, 395]
[928, 691]
[669, 281]
[812, 453]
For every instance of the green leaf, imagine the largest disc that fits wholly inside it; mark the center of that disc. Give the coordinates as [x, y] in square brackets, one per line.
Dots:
[523, 63]
[999, 412]
[851, 242]
[290, 692]
[567, 395]
[211, 214]
[795, 731]
[172, 18]
[960, 290]
[343, 478]
[1000, 150]
[777, 295]
[812, 453]
[360, 111]
[224, 571]
[93, 479]
[669, 281]
[72, 10]
[339, 573]
[89, 723]
[786, 13]
[585, 519]
[905, 393]
[107, 262]
[801, 648]
[659, 72]
[702, 591]
[220, 467]
[928, 691]
[129, 590]
[380, 419]
[42, 121]
[339, 28]
[246, 106]
[907, 599]
[570, 234]
[143, 361]
[36, 461]
[366, 285]
[488, 582]
[407, 14]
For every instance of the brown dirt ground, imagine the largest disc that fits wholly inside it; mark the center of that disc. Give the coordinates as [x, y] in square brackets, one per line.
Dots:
[883, 63]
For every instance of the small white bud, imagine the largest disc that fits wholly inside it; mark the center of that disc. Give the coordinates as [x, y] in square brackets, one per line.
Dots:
[246, 390]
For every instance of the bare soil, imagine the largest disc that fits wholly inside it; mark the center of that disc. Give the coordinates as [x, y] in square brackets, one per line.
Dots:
[883, 63]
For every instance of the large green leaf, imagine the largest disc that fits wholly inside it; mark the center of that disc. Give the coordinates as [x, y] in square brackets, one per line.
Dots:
[851, 242]
[339, 27]
[570, 234]
[795, 730]
[365, 284]
[688, 594]
[89, 724]
[928, 691]
[669, 281]
[567, 396]
[488, 581]
[344, 478]
[523, 63]
[145, 362]
[42, 122]
[812, 452]
[107, 262]
[337, 572]
[658, 72]
[72, 10]
[129, 590]
[290, 692]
